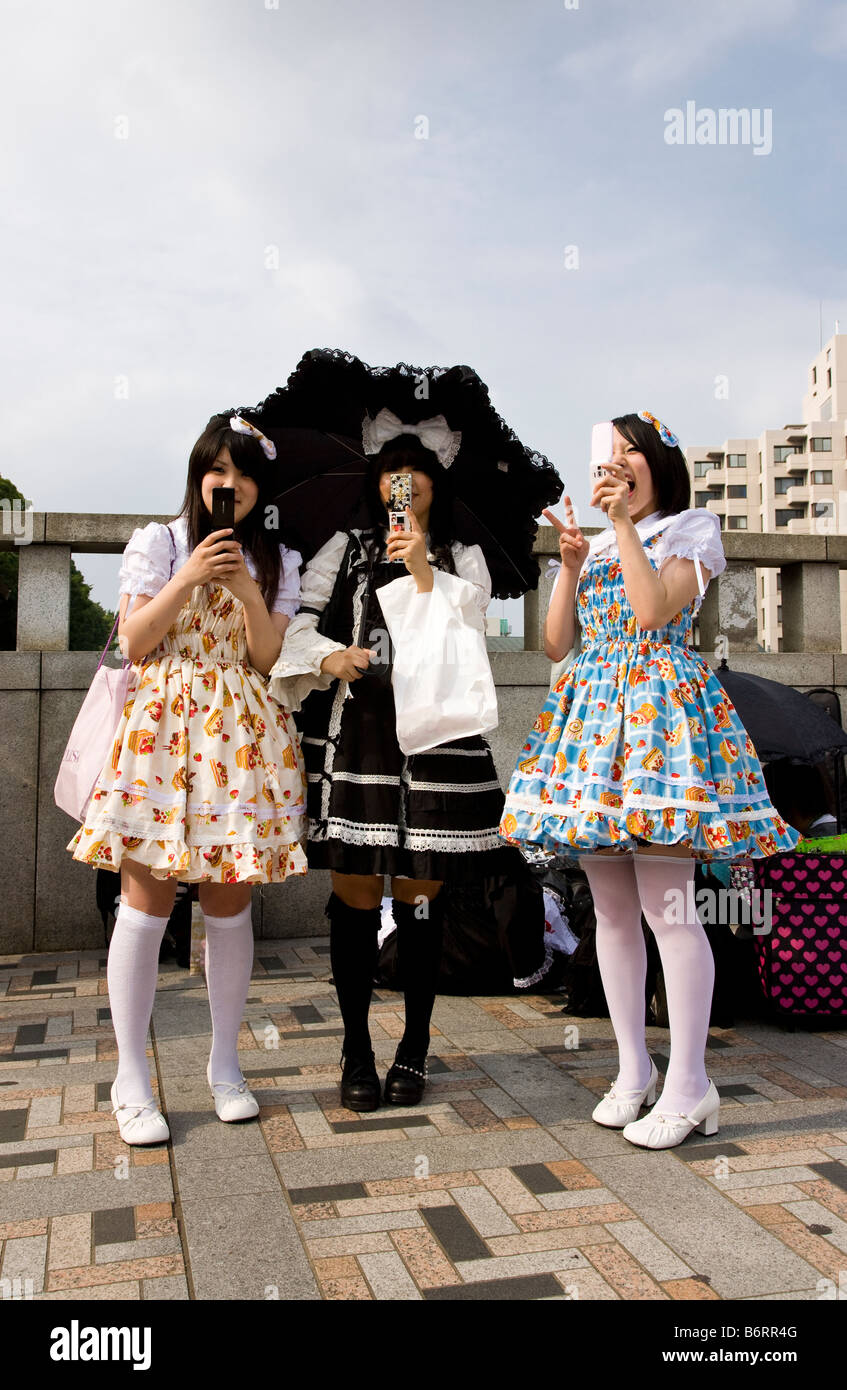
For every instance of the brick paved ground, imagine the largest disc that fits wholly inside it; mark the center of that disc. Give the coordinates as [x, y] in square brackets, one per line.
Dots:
[497, 1186]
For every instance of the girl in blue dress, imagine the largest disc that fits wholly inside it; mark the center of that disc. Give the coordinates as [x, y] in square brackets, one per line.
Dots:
[638, 764]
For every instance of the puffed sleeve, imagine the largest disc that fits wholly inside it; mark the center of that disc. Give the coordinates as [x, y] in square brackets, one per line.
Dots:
[146, 564]
[288, 594]
[694, 535]
[297, 670]
[470, 565]
[471, 582]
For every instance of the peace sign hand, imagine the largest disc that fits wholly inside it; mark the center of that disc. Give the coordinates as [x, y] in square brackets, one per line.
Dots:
[573, 547]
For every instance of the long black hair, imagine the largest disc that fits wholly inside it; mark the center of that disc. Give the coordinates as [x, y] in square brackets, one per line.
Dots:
[668, 469]
[406, 450]
[249, 458]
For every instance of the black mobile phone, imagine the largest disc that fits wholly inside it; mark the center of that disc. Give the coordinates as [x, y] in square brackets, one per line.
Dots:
[223, 508]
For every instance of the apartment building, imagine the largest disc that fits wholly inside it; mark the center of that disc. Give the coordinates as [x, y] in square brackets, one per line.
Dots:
[792, 479]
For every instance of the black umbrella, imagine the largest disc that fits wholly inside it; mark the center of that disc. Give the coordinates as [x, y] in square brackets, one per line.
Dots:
[315, 420]
[782, 722]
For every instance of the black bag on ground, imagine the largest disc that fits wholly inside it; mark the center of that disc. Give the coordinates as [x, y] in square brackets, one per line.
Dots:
[493, 934]
[176, 942]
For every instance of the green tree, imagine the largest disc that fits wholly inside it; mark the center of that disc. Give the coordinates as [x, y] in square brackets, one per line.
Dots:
[90, 623]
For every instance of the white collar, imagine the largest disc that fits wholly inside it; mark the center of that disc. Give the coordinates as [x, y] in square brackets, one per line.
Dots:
[646, 527]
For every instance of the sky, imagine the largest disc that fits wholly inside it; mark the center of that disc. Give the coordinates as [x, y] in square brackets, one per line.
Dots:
[199, 191]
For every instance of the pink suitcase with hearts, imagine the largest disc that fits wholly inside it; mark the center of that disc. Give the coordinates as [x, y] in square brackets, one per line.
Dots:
[803, 959]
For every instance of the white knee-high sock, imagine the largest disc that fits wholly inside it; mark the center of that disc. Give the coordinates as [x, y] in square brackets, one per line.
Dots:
[622, 958]
[131, 974]
[689, 970]
[229, 962]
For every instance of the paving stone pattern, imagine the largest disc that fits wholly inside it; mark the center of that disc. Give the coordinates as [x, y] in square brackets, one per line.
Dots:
[498, 1186]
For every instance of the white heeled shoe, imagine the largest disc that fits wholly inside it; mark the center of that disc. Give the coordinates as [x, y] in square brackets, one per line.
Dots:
[232, 1102]
[139, 1122]
[659, 1130]
[619, 1108]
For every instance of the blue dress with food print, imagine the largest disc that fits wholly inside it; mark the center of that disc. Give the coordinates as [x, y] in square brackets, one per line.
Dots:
[638, 743]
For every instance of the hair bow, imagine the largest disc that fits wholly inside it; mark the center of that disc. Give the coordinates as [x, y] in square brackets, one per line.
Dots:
[434, 434]
[664, 433]
[242, 426]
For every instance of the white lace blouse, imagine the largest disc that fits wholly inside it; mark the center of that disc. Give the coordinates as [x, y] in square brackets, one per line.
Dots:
[146, 566]
[694, 534]
[297, 671]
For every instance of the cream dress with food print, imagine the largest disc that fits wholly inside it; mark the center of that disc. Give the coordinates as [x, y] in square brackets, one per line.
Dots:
[205, 782]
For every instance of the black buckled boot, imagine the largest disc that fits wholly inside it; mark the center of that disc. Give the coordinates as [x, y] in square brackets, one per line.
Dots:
[418, 958]
[353, 948]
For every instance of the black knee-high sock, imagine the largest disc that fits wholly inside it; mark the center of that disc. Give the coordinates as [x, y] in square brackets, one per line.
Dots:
[353, 949]
[419, 942]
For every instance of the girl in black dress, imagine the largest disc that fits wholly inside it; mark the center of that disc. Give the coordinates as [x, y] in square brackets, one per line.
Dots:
[422, 819]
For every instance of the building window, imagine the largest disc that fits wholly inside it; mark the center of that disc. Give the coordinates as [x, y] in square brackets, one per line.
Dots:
[779, 581]
[784, 516]
[821, 475]
[736, 490]
[737, 523]
[814, 376]
[781, 485]
[701, 498]
[763, 589]
[821, 444]
[761, 495]
[826, 509]
[701, 466]
[829, 376]
[783, 451]
[736, 460]
[779, 644]
[779, 612]
[719, 516]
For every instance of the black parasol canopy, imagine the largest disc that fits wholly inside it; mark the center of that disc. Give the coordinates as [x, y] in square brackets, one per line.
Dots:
[499, 485]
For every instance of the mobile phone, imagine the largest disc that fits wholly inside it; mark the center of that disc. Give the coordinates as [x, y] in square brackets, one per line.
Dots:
[602, 449]
[400, 498]
[223, 508]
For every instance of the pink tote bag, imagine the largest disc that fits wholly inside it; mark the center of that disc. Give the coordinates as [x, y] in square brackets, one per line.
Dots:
[91, 737]
[93, 733]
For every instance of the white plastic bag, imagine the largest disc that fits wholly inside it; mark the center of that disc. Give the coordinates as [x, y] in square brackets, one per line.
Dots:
[443, 686]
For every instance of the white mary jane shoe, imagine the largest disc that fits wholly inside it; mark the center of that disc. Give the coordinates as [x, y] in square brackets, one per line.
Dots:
[619, 1108]
[139, 1122]
[663, 1131]
[232, 1102]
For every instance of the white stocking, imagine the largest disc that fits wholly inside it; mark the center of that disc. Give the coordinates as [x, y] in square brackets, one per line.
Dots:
[131, 972]
[229, 962]
[622, 958]
[689, 970]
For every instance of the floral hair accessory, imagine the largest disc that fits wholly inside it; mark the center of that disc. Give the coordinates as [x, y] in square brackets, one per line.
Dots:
[242, 426]
[664, 433]
[434, 434]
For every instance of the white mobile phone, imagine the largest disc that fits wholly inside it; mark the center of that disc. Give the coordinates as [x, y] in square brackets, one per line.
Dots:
[602, 449]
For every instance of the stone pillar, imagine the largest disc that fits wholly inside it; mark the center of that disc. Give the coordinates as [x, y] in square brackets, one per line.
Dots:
[44, 598]
[811, 608]
[736, 609]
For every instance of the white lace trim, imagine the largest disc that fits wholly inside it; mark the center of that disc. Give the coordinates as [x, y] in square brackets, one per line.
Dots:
[358, 833]
[541, 972]
[355, 832]
[454, 786]
[454, 840]
[639, 803]
[364, 778]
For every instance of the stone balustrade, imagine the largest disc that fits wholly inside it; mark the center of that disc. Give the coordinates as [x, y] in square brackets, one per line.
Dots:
[48, 899]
